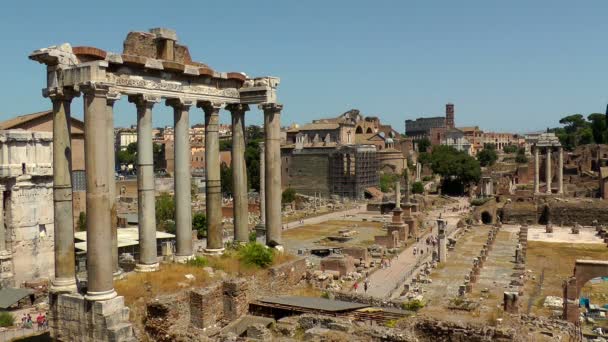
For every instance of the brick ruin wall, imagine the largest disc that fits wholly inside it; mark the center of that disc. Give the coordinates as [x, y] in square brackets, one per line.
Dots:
[186, 314]
[583, 212]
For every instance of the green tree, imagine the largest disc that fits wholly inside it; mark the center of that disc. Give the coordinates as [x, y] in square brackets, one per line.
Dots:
[417, 188]
[424, 158]
[256, 254]
[82, 221]
[457, 169]
[598, 127]
[125, 158]
[423, 145]
[387, 181]
[288, 196]
[509, 149]
[165, 211]
[199, 223]
[226, 178]
[521, 156]
[6, 319]
[225, 145]
[158, 155]
[487, 156]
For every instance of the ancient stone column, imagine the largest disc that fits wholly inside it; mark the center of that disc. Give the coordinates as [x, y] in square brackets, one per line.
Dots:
[397, 195]
[560, 170]
[536, 171]
[262, 186]
[148, 257]
[2, 227]
[99, 227]
[215, 243]
[110, 99]
[239, 172]
[272, 128]
[182, 178]
[548, 170]
[65, 272]
[442, 253]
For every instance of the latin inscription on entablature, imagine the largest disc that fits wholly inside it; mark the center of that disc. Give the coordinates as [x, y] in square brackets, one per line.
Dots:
[138, 82]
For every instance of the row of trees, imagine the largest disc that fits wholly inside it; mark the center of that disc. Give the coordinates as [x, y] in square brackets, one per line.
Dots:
[577, 130]
[165, 216]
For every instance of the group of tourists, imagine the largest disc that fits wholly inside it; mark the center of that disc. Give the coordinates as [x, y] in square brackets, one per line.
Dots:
[365, 285]
[28, 323]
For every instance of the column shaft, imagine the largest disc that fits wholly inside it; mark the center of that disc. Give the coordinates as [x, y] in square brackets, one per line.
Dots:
[99, 228]
[272, 128]
[239, 173]
[536, 171]
[548, 170]
[148, 256]
[560, 171]
[212, 176]
[65, 273]
[2, 227]
[111, 179]
[182, 178]
[262, 184]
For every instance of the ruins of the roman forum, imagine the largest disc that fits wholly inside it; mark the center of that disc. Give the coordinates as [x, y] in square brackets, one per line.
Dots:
[341, 228]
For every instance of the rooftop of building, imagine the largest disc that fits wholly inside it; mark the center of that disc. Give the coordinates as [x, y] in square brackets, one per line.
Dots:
[22, 120]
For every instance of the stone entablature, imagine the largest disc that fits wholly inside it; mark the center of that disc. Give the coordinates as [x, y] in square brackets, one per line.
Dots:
[136, 72]
[25, 152]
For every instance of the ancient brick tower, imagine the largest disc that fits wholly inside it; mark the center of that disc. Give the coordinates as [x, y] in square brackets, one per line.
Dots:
[449, 115]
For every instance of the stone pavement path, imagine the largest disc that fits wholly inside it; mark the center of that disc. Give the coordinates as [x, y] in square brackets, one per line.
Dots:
[336, 215]
[383, 281]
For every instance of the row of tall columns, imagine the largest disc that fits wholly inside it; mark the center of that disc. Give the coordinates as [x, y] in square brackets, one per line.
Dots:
[102, 252]
[548, 170]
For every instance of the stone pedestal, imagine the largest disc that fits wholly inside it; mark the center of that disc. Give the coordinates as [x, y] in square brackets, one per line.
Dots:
[510, 302]
[73, 318]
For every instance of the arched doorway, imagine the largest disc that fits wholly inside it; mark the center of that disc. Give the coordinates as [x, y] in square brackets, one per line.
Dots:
[359, 130]
[486, 217]
[584, 270]
[369, 130]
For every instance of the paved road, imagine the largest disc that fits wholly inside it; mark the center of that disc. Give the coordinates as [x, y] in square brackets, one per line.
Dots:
[383, 281]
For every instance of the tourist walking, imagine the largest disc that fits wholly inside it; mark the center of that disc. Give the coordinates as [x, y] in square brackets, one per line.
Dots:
[355, 286]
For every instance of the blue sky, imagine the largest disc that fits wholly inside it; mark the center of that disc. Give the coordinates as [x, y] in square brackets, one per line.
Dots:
[507, 66]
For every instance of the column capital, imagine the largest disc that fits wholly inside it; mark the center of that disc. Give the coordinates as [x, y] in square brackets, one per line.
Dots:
[210, 107]
[96, 89]
[112, 96]
[60, 93]
[144, 100]
[180, 103]
[271, 107]
[237, 107]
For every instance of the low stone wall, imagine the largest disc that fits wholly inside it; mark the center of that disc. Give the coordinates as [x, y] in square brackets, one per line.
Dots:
[439, 331]
[583, 212]
[519, 213]
[364, 299]
[283, 277]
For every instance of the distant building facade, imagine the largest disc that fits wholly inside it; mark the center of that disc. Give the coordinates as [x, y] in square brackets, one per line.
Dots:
[431, 128]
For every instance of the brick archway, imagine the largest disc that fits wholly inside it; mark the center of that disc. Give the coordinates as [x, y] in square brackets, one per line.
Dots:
[584, 270]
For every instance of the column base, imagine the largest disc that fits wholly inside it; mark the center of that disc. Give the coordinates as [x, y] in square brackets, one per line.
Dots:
[213, 251]
[100, 296]
[182, 259]
[63, 285]
[142, 268]
[117, 275]
[260, 230]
